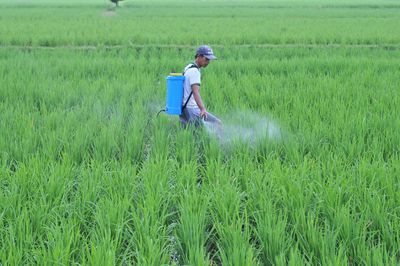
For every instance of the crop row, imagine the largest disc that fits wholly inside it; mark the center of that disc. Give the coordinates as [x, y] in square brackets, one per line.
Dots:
[89, 175]
[177, 23]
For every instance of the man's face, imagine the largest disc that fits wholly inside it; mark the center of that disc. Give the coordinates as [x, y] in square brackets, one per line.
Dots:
[203, 61]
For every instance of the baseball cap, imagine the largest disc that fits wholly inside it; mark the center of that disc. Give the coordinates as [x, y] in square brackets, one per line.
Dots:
[206, 51]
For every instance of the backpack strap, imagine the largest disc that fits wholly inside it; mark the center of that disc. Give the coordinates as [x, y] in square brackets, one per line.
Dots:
[191, 92]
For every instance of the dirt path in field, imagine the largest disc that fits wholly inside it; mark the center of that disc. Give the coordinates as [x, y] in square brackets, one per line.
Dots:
[266, 45]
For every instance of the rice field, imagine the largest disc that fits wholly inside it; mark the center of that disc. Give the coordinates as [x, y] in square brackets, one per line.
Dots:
[306, 171]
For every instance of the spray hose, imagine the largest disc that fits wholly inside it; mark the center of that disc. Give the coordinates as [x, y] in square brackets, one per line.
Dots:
[162, 110]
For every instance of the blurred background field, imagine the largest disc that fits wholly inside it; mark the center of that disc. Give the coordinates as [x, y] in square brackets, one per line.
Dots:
[58, 23]
[89, 175]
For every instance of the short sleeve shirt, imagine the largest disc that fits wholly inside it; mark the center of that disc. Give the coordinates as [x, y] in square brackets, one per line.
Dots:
[192, 77]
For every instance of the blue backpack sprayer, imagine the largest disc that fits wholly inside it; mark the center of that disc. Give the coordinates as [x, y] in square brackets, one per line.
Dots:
[175, 93]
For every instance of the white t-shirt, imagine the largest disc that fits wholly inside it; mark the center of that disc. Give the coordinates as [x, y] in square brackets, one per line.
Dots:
[192, 76]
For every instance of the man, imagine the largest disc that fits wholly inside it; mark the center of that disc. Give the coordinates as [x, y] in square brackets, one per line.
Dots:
[193, 110]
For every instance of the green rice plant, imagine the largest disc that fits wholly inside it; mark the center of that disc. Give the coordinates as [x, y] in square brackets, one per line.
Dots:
[191, 232]
[150, 216]
[61, 244]
[271, 230]
[231, 222]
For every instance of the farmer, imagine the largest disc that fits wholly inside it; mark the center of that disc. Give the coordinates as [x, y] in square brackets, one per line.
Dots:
[193, 110]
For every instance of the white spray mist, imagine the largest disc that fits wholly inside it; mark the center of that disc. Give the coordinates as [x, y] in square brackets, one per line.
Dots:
[246, 127]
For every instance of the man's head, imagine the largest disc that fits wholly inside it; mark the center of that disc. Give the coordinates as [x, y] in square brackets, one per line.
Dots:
[203, 55]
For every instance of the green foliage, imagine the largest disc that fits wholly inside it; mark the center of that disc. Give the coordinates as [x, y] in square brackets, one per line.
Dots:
[88, 175]
[256, 23]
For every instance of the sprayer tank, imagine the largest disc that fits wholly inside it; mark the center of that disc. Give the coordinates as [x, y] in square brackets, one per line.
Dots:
[174, 94]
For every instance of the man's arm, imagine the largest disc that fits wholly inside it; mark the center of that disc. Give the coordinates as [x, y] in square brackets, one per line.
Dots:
[197, 98]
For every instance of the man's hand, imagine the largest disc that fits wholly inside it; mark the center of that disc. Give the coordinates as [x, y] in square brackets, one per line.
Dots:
[203, 113]
[197, 98]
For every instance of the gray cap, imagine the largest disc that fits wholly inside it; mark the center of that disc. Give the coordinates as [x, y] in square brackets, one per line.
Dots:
[206, 51]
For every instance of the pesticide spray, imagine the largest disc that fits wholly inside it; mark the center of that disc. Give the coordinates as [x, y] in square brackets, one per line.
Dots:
[248, 127]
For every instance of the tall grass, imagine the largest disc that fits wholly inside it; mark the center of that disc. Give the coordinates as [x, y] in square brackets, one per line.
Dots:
[89, 174]
[304, 22]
